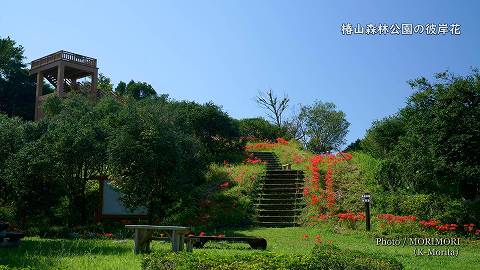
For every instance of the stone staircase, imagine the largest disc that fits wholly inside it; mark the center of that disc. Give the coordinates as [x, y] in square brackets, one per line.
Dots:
[280, 201]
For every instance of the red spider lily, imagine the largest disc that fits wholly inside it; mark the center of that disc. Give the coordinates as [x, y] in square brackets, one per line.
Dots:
[297, 159]
[224, 185]
[319, 217]
[315, 199]
[108, 235]
[329, 193]
[396, 219]
[318, 239]
[259, 146]
[429, 223]
[305, 236]
[254, 161]
[351, 216]
[469, 227]
[447, 227]
[477, 232]
[282, 141]
[202, 234]
[329, 189]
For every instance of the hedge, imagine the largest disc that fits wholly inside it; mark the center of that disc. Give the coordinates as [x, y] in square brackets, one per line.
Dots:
[322, 257]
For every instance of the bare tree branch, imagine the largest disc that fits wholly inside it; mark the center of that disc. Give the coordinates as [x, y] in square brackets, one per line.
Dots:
[273, 105]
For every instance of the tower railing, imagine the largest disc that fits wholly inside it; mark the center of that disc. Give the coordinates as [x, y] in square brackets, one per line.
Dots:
[65, 56]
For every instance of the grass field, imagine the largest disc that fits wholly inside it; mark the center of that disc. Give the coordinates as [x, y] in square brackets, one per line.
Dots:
[38, 253]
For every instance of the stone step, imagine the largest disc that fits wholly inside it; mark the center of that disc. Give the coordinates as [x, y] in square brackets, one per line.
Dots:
[287, 172]
[274, 167]
[281, 193]
[266, 157]
[284, 181]
[284, 172]
[282, 187]
[282, 190]
[278, 201]
[277, 224]
[277, 206]
[278, 212]
[283, 176]
[262, 153]
[276, 218]
[282, 196]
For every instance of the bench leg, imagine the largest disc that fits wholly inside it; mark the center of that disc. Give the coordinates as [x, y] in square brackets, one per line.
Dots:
[181, 242]
[136, 243]
[189, 244]
[142, 241]
[175, 244]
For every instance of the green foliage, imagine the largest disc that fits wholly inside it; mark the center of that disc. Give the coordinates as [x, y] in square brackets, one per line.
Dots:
[322, 257]
[12, 137]
[136, 90]
[388, 175]
[259, 129]
[355, 146]
[438, 152]
[430, 147]
[104, 83]
[17, 88]
[218, 132]
[321, 127]
[426, 206]
[225, 200]
[34, 188]
[7, 214]
[152, 161]
[383, 136]
[156, 150]
[79, 149]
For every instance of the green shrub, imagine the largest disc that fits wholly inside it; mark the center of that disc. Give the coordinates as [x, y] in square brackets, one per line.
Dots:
[425, 206]
[259, 129]
[7, 214]
[322, 257]
[331, 257]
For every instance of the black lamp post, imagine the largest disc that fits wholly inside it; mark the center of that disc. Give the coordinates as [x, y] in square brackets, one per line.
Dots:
[366, 200]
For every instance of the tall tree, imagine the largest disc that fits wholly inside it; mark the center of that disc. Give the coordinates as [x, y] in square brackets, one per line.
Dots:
[17, 88]
[216, 130]
[438, 152]
[79, 145]
[274, 105]
[324, 127]
[12, 138]
[151, 160]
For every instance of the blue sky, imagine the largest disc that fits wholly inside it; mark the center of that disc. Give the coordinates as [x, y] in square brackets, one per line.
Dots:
[227, 51]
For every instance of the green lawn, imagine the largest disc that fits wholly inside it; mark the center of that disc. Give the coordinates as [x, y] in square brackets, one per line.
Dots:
[117, 254]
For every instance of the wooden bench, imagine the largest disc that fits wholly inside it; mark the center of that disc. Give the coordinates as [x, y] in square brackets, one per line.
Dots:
[144, 235]
[254, 242]
[9, 239]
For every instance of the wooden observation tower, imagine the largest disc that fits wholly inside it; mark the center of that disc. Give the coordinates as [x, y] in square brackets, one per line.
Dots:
[62, 69]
